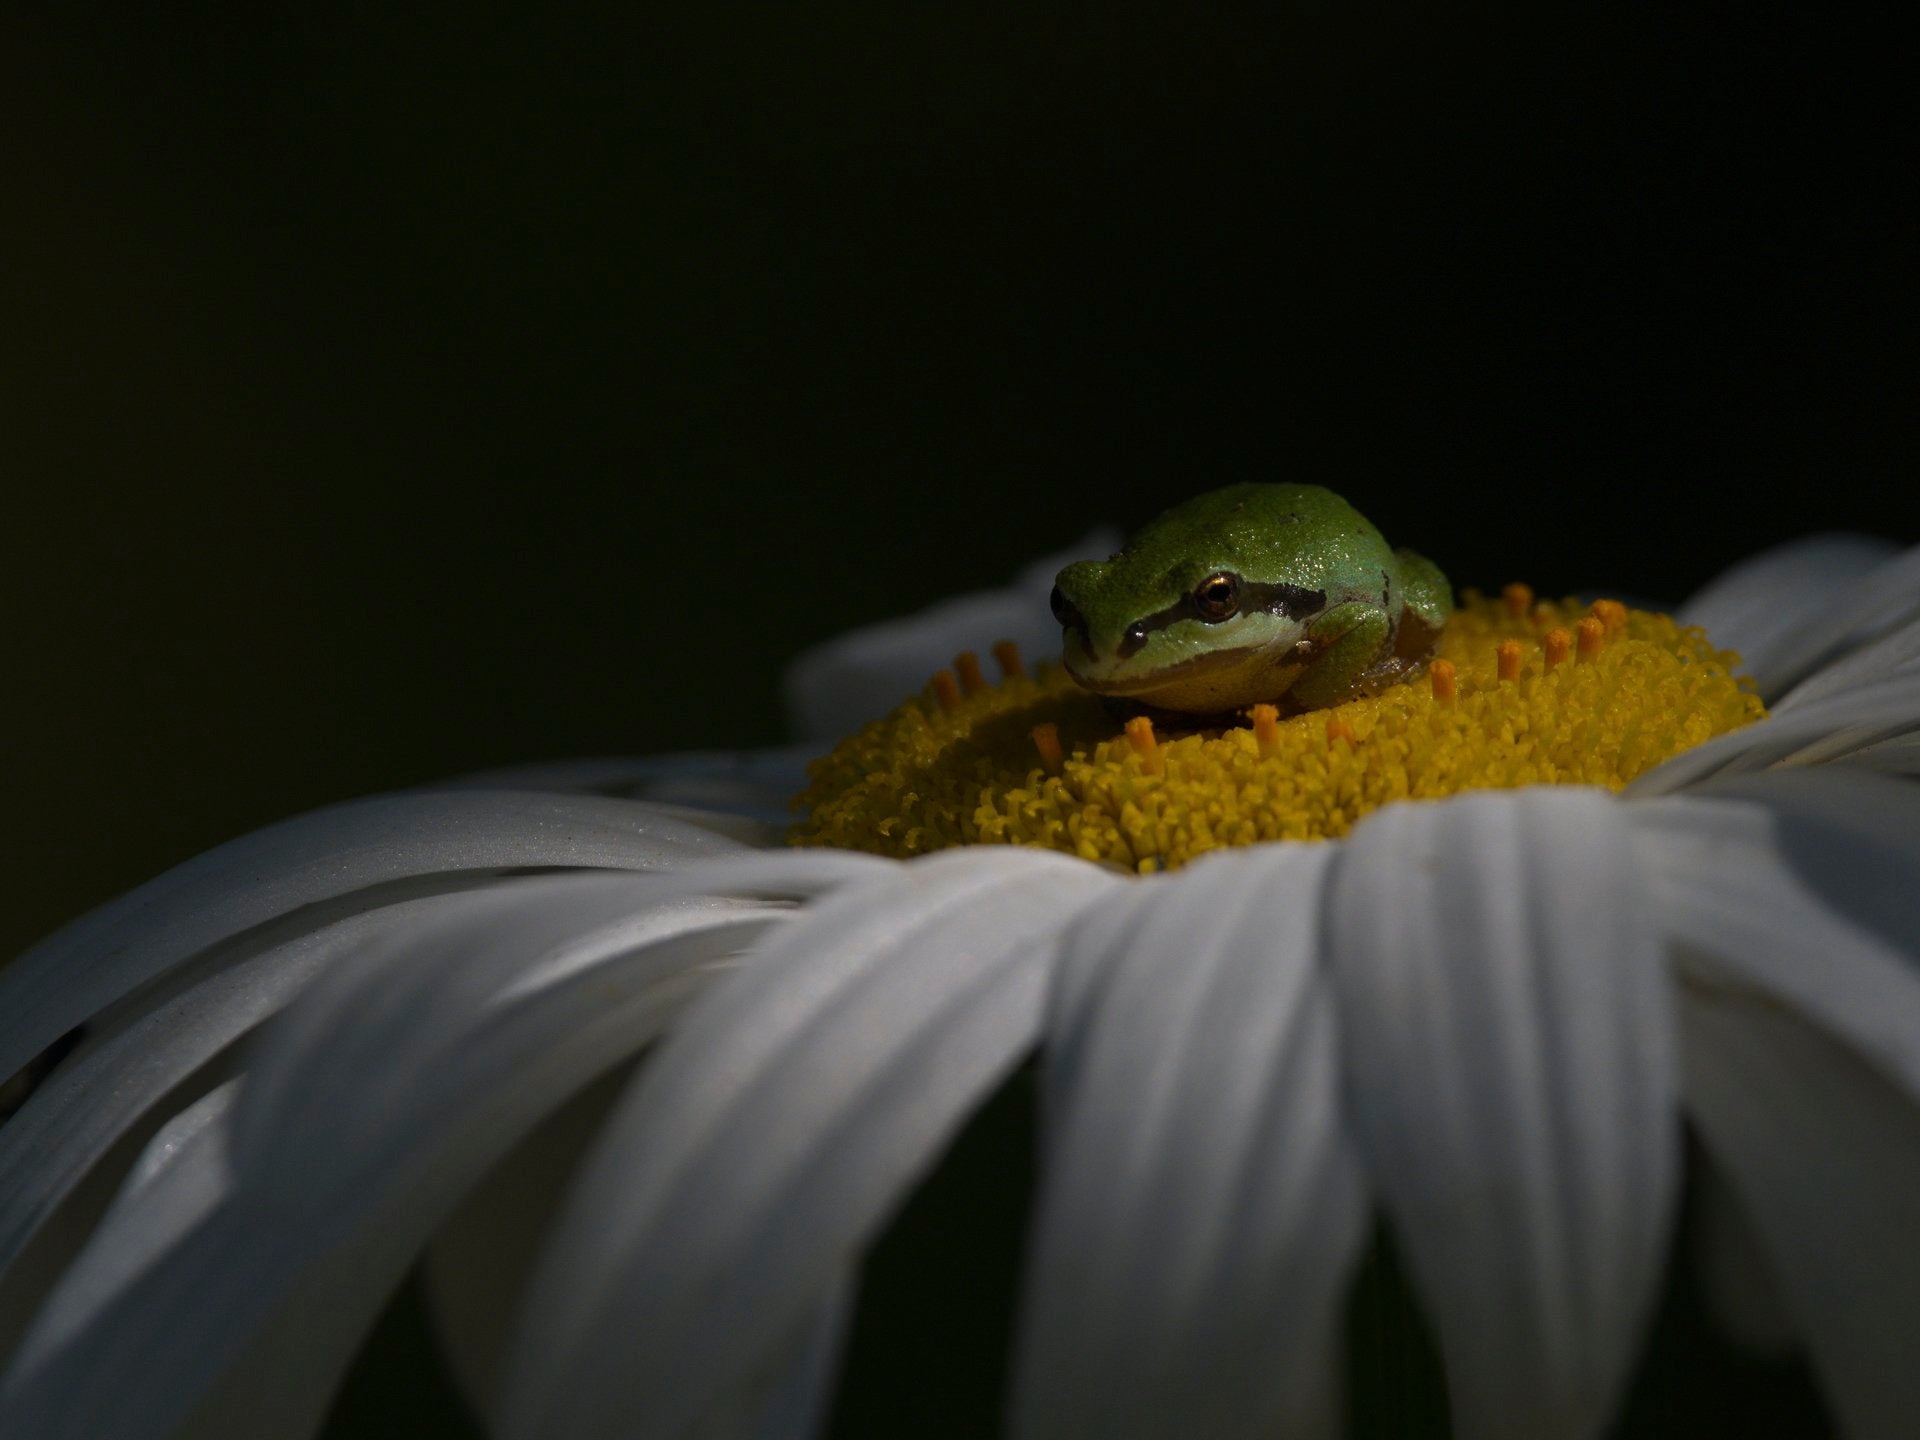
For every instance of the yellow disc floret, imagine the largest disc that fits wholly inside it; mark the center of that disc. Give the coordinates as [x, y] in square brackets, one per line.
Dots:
[1509, 701]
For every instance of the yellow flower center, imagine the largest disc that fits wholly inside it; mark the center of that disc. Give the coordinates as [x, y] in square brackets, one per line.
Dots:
[1520, 694]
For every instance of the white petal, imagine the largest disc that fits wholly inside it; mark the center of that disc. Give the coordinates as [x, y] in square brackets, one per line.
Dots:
[1825, 1156]
[1889, 656]
[1800, 884]
[1792, 897]
[1858, 725]
[789, 1398]
[1896, 755]
[1511, 1074]
[397, 1080]
[1764, 600]
[482, 1257]
[804, 1381]
[1874, 603]
[103, 1092]
[182, 1176]
[778, 1127]
[835, 688]
[1202, 1205]
[753, 783]
[542, 941]
[332, 856]
[1858, 611]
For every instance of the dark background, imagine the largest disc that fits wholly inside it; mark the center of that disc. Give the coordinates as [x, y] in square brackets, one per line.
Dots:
[387, 392]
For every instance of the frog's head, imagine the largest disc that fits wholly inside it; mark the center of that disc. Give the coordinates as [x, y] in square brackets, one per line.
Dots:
[1194, 615]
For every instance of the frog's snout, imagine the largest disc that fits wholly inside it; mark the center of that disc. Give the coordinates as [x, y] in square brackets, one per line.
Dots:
[1076, 642]
[1089, 647]
[1066, 609]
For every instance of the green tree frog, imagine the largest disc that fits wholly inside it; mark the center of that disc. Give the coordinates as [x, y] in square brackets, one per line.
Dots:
[1252, 593]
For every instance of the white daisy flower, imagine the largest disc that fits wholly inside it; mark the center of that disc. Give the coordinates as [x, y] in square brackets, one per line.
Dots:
[645, 1088]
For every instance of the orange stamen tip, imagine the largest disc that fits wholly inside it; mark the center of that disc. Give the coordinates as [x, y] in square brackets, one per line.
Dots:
[972, 682]
[1046, 739]
[1557, 644]
[1509, 653]
[1140, 736]
[1593, 635]
[1518, 597]
[1443, 675]
[1266, 729]
[1006, 655]
[1339, 729]
[946, 690]
[1610, 613]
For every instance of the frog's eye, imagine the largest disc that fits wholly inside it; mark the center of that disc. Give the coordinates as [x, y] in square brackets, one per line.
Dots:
[1217, 597]
[1063, 609]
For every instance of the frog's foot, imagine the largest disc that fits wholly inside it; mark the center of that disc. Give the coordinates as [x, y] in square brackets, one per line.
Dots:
[1348, 638]
[1415, 639]
[1384, 674]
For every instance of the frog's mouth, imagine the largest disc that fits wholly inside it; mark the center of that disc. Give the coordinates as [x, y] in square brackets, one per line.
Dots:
[1178, 675]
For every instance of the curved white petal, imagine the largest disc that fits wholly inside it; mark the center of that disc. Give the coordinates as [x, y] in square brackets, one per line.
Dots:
[803, 1384]
[180, 1178]
[755, 784]
[788, 1398]
[1896, 755]
[1511, 1075]
[536, 945]
[1825, 1157]
[835, 688]
[1202, 1205]
[1791, 899]
[198, 1129]
[481, 1258]
[1762, 604]
[1858, 725]
[400, 1076]
[1879, 600]
[1891, 655]
[741, 811]
[1792, 895]
[322, 857]
[1801, 885]
[780, 1124]
[1782, 586]
[103, 1093]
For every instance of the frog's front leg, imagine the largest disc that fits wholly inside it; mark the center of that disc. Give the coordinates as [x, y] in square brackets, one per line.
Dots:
[1349, 638]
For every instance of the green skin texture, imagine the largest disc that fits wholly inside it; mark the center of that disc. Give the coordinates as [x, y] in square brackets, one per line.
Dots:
[1381, 615]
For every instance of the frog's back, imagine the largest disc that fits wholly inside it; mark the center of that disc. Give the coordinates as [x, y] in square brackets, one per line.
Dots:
[1281, 527]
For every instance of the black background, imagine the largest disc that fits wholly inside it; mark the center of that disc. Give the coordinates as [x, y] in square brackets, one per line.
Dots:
[392, 391]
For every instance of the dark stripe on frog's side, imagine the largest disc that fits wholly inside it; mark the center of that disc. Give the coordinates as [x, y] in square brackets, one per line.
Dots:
[1294, 602]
